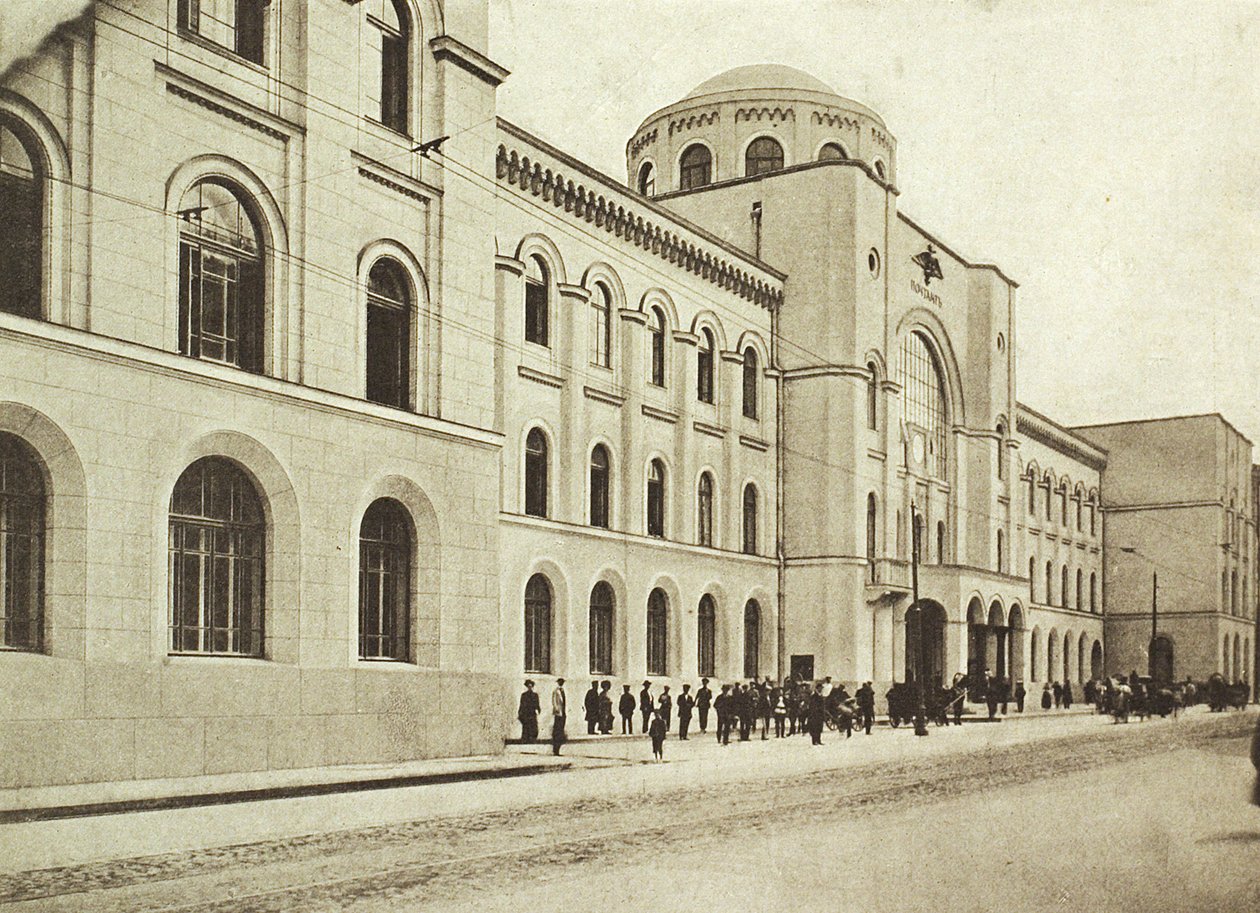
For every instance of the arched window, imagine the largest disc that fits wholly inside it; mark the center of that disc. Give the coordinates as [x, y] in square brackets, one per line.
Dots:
[221, 282]
[1093, 592]
[872, 522]
[601, 625]
[1032, 495]
[1001, 451]
[538, 625]
[1080, 590]
[750, 382]
[704, 366]
[1063, 502]
[216, 561]
[750, 520]
[647, 180]
[832, 152]
[656, 330]
[1093, 517]
[1233, 592]
[238, 25]
[22, 507]
[1046, 484]
[388, 63]
[1001, 552]
[1035, 656]
[657, 633]
[695, 168]
[536, 473]
[656, 499]
[706, 641]
[1063, 586]
[1224, 591]
[388, 335]
[704, 510]
[1032, 579]
[940, 542]
[762, 156]
[872, 396]
[752, 638]
[599, 486]
[1080, 514]
[384, 581]
[601, 326]
[881, 170]
[537, 301]
[1049, 583]
[22, 241]
[924, 402]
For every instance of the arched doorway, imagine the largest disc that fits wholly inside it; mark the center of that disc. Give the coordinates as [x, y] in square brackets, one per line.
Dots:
[1015, 645]
[977, 643]
[996, 655]
[1096, 661]
[1162, 659]
[1054, 662]
[932, 624]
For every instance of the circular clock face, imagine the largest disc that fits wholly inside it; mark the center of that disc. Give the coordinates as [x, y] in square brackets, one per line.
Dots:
[919, 447]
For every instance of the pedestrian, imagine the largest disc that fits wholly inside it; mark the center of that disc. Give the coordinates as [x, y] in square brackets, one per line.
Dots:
[704, 700]
[605, 708]
[793, 701]
[646, 704]
[685, 703]
[591, 705]
[866, 706]
[827, 686]
[744, 706]
[780, 712]
[722, 706]
[1020, 693]
[1006, 694]
[559, 712]
[1058, 695]
[764, 711]
[844, 709]
[1067, 695]
[666, 706]
[657, 730]
[991, 694]
[817, 709]
[626, 708]
[1046, 697]
[527, 713]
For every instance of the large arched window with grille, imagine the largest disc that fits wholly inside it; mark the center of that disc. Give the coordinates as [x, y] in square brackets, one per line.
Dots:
[237, 25]
[221, 277]
[537, 301]
[656, 343]
[704, 510]
[706, 636]
[656, 499]
[705, 366]
[538, 624]
[762, 156]
[599, 486]
[388, 63]
[1049, 583]
[752, 639]
[1032, 579]
[22, 241]
[601, 326]
[695, 168]
[385, 549]
[22, 510]
[749, 538]
[751, 370]
[603, 604]
[1080, 590]
[647, 180]
[389, 334]
[925, 408]
[1001, 552]
[1093, 592]
[536, 469]
[832, 152]
[657, 633]
[216, 542]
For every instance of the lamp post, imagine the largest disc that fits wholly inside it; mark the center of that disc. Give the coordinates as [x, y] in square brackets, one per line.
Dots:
[1150, 653]
[920, 711]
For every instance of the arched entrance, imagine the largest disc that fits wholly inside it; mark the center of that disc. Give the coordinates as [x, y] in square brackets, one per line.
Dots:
[977, 643]
[932, 624]
[1162, 659]
[1096, 661]
[1015, 645]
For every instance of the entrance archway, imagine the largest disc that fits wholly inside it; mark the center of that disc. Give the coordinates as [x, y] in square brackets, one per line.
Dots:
[1096, 662]
[977, 643]
[932, 624]
[1015, 645]
[1162, 659]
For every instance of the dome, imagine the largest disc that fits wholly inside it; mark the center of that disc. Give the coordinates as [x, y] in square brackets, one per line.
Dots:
[761, 76]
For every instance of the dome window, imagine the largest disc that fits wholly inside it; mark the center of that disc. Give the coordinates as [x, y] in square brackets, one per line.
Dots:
[695, 168]
[764, 155]
[647, 180]
[832, 152]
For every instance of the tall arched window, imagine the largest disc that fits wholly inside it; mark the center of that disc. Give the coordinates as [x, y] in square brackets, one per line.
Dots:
[389, 71]
[216, 541]
[881, 170]
[601, 625]
[22, 241]
[538, 625]
[1224, 591]
[750, 520]
[704, 366]
[221, 281]
[706, 639]
[1001, 451]
[752, 639]
[750, 382]
[1093, 517]
[1032, 579]
[924, 402]
[872, 523]
[872, 396]
[763, 155]
[22, 507]
[832, 152]
[388, 335]
[941, 555]
[1047, 485]
[1035, 656]
[1063, 586]
[1080, 590]
[1093, 592]
[647, 180]
[537, 301]
[704, 510]
[599, 486]
[238, 25]
[601, 326]
[1077, 500]
[656, 330]
[1001, 552]
[1063, 505]
[385, 581]
[1233, 592]
[536, 473]
[657, 633]
[1049, 583]
[656, 499]
[1032, 495]
[695, 168]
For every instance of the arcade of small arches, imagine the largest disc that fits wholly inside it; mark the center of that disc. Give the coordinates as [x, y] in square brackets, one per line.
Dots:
[1077, 507]
[762, 155]
[1236, 657]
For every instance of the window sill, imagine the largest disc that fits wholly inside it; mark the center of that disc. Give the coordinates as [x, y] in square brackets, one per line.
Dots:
[384, 662]
[228, 658]
[216, 48]
[386, 128]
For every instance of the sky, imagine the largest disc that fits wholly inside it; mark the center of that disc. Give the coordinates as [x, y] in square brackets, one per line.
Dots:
[1103, 154]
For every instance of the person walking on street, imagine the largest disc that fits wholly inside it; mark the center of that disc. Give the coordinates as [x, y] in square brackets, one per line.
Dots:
[605, 708]
[590, 704]
[626, 708]
[991, 694]
[657, 729]
[685, 703]
[866, 706]
[722, 706]
[527, 713]
[817, 710]
[1058, 695]
[666, 706]
[1020, 693]
[744, 706]
[779, 707]
[646, 704]
[1046, 699]
[704, 700]
[559, 711]
[1067, 695]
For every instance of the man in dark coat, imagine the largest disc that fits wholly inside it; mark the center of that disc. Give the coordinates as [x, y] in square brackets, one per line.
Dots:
[685, 703]
[625, 707]
[704, 699]
[866, 706]
[722, 706]
[817, 710]
[991, 686]
[591, 705]
[1057, 690]
[527, 713]
[1005, 696]
[744, 705]
[605, 708]
[1020, 693]
[666, 706]
[647, 706]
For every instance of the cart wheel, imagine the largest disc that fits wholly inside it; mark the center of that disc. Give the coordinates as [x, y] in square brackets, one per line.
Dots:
[894, 721]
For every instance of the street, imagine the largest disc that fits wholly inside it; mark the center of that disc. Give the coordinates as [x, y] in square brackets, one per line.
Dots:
[1049, 814]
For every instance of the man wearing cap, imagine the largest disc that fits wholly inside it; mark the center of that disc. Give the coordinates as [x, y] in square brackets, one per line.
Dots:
[723, 707]
[685, 702]
[626, 708]
[646, 704]
[704, 700]
[591, 705]
[527, 713]
[866, 705]
[559, 710]
[817, 710]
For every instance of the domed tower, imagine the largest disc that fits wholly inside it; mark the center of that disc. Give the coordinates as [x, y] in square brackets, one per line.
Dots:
[752, 120]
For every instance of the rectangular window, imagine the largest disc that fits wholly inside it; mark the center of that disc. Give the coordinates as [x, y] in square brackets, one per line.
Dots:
[388, 332]
[219, 294]
[394, 82]
[601, 641]
[237, 25]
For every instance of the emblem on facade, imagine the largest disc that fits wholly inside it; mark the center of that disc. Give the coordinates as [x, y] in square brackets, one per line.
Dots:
[929, 264]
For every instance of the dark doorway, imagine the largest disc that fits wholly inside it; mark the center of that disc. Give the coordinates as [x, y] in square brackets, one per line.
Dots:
[933, 633]
[1162, 660]
[803, 667]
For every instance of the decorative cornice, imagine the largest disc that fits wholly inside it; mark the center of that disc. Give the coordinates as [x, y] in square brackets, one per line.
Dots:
[1046, 431]
[735, 358]
[764, 113]
[567, 290]
[692, 121]
[603, 396]
[637, 144]
[395, 180]
[540, 377]
[633, 316]
[686, 338]
[207, 96]
[664, 415]
[392, 185]
[710, 430]
[813, 371]
[509, 265]
[445, 47]
[753, 443]
[835, 120]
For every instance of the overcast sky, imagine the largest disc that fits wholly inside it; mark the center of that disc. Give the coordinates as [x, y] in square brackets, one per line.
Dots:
[1104, 155]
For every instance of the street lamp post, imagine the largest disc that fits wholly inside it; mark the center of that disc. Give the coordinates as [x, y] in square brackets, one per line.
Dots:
[920, 712]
